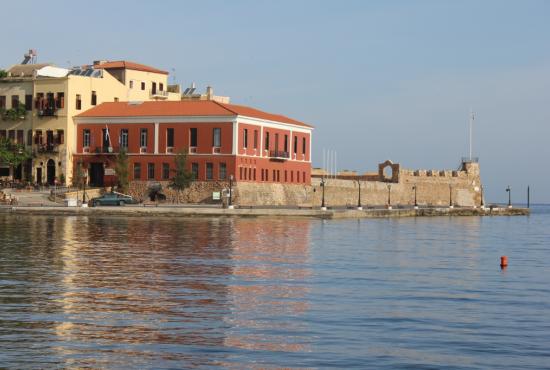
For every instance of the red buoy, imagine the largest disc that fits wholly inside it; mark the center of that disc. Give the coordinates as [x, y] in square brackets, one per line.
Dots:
[503, 261]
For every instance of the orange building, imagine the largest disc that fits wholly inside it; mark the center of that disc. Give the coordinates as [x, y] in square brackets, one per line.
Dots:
[221, 140]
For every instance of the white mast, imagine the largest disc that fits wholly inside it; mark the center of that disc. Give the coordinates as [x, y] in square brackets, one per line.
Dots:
[471, 126]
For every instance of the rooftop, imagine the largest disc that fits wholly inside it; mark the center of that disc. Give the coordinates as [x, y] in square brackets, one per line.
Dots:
[124, 64]
[183, 108]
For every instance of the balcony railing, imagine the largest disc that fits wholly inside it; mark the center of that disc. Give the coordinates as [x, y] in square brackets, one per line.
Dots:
[279, 154]
[159, 94]
[47, 112]
[47, 148]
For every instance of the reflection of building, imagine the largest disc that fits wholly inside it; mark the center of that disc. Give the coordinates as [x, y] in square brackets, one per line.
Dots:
[53, 96]
[220, 139]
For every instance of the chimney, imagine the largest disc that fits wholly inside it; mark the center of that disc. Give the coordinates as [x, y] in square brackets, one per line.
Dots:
[209, 93]
[99, 62]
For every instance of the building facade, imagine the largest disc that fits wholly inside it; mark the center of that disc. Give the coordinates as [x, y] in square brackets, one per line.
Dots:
[53, 96]
[221, 140]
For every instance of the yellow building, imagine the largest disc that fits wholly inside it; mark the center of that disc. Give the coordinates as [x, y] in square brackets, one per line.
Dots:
[59, 94]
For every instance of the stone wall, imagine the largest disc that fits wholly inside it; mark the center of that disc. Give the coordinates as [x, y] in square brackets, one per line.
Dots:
[434, 188]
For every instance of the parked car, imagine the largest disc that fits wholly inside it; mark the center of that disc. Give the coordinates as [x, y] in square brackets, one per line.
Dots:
[112, 199]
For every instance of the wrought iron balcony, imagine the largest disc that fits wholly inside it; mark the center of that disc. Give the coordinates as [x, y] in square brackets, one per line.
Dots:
[278, 154]
[159, 94]
[47, 111]
[47, 148]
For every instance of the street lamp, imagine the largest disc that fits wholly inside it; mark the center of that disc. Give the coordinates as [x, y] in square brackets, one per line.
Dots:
[451, 196]
[359, 206]
[509, 191]
[389, 196]
[323, 184]
[230, 205]
[415, 202]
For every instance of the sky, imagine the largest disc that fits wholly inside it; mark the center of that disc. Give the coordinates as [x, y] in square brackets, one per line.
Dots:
[378, 79]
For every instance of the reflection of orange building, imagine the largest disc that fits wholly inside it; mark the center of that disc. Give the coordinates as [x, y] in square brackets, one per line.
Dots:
[269, 256]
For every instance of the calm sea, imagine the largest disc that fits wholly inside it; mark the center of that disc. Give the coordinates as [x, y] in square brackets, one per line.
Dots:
[424, 293]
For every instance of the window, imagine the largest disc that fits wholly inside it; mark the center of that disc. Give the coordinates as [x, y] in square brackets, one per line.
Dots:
[286, 143]
[303, 145]
[28, 102]
[304, 176]
[60, 137]
[245, 138]
[274, 175]
[240, 173]
[124, 138]
[85, 138]
[50, 100]
[209, 171]
[193, 136]
[165, 171]
[295, 144]
[291, 176]
[143, 85]
[161, 86]
[170, 137]
[3, 134]
[38, 137]
[60, 102]
[3, 101]
[39, 100]
[255, 139]
[223, 171]
[267, 141]
[286, 175]
[11, 135]
[137, 171]
[94, 98]
[262, 173]
[20, 137]
[195, 170]
[143, 138]
[116, 99]
[14, 101]
[266, 175]
[151, 171]
[49, 138]
[154, 87]
[29, 137]
[78, 102]
[217, 137]
[131, 84]
[254, 174]
[297, 176]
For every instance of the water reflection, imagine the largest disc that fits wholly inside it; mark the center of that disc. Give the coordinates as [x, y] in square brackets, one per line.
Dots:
[117, 292]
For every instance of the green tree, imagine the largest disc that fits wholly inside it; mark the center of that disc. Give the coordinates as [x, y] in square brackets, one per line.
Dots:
[3, 73]
[78, 175]
[13, 154]
[121, 170]
[182, 177]
[14, 114]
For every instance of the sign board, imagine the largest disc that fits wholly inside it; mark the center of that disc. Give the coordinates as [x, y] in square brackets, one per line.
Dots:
[216, 195]
[110, 172]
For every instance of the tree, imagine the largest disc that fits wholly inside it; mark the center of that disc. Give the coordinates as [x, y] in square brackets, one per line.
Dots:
[14, 114]
[121, 170]
[3, 73]
[182, 178]
[78, 176]
[13, 154]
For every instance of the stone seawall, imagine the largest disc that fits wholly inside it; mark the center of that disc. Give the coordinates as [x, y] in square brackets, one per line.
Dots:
[433, 188]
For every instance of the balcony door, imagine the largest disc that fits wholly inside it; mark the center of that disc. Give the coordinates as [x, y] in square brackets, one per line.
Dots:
[50, 171]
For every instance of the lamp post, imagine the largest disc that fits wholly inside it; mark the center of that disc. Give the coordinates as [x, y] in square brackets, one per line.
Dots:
[509, 191]
[528, 196]
[359, 206]
[482, 204]
[323, 206]
[415, 202]
[229, 203]
[389, 196]
[451, 196]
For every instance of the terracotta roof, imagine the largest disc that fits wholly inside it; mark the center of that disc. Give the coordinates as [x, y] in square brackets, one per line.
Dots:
[182, 108]
[123, 64]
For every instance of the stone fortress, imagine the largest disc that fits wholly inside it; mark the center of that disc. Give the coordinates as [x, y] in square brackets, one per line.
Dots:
[391, 185]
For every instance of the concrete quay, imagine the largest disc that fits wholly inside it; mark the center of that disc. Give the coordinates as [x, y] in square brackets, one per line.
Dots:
[189, 211]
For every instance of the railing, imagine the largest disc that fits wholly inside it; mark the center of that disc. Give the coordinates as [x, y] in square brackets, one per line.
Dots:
[47, 148]
[470, 160]
[279, 154]
[159, 94]
[47, 112]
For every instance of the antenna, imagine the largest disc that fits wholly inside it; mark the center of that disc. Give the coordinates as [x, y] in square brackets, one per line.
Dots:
[173, 76]
[471, 130]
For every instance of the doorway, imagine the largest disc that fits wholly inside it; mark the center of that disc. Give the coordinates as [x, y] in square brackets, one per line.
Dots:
[96, 174]
[50, 171]
[39, 175]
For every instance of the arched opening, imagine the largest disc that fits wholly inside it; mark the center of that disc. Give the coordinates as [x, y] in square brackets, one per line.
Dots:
[388, 172]
[50, 171]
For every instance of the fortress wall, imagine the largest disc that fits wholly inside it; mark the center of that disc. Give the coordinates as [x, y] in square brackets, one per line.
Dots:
[432, 189]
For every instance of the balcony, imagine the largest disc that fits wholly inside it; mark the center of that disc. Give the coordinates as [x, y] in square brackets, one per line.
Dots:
[157, 94]
[47, 148]
[279, 155]
[47, 112]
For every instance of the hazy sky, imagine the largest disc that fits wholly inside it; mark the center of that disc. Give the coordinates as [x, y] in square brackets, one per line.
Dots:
[378, 79]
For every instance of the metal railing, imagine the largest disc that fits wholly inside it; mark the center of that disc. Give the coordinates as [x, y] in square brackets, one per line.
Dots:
[279, 154]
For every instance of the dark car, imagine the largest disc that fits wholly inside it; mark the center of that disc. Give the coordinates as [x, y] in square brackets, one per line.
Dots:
[112, 199]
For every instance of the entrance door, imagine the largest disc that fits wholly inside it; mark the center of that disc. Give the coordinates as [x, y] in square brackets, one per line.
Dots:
[96, 174]
[39, 175]
[50, 171]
